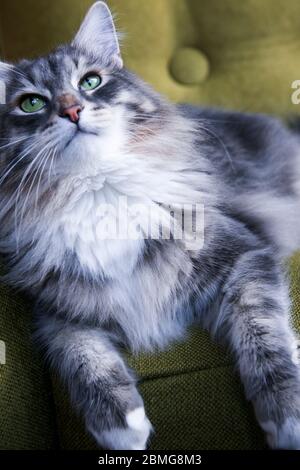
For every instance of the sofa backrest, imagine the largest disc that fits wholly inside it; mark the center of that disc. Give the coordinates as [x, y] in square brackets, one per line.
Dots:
[231, 53]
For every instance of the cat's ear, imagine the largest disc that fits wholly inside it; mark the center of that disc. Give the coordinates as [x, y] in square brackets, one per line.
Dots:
[97, 34]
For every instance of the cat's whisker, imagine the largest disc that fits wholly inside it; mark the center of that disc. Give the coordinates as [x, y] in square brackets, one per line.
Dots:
[52, 165]
[218, 138]
[14, 69]
[42, 168]
[19, 189]
[14, 142]
[200, 127]
[31, 164]
[151, 132]
[22, 183]
[162, 118]
[16, 161]
[27, 172]
[8, 139]
[35, 175]
[37, 157]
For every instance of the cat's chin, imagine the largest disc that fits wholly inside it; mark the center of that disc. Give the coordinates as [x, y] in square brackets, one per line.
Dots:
[79, 135]
[81, 147]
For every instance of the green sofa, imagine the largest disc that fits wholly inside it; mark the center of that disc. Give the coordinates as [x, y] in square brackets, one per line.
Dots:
[230, 53]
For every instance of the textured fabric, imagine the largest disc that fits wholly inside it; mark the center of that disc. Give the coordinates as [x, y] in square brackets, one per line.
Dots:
[295, 289]
[189, 66]
[231, 53]
[198, 352]
[192, 397]
[26, 409]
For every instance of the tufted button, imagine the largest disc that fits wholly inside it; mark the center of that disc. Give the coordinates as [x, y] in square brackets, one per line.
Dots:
[189, 66]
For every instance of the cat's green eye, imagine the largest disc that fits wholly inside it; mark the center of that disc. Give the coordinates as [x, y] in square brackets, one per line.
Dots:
[90, 82]
[32, 104]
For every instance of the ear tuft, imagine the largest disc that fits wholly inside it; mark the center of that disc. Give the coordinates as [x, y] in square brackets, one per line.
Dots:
[97, 35]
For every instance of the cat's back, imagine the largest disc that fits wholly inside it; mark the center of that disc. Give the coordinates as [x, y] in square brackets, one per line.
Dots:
[257, 162]
[249, 151]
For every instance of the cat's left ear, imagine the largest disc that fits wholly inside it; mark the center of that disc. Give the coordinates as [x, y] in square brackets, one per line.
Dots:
[97, 34]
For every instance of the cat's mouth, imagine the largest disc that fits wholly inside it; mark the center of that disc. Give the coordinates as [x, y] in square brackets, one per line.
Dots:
[80, 130]
[87, 131]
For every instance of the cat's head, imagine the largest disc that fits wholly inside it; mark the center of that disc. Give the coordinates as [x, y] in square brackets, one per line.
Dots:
[77, 99]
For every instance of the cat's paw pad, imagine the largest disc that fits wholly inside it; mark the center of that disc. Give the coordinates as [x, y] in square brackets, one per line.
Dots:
[285, 436]
[132, 437]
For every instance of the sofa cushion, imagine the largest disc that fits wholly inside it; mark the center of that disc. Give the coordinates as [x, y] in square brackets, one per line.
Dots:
[189, 66]
[250, 47]
[26, 402]
[242, 55]
[192, 397]
[295, 290]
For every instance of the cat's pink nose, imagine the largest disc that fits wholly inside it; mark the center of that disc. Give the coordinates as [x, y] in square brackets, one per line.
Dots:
[72, 112]
[69, 106]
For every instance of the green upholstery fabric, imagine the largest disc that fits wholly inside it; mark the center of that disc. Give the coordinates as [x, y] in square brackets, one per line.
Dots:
[231, 53]
[192, 397]
[26, 409]
[189, 66]
[252, 46]
[295, 289]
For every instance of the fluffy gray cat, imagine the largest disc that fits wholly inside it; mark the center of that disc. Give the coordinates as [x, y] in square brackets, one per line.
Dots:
[79, 132]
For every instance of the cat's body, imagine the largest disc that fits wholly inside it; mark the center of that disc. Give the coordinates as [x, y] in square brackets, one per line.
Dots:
[257, 163]
[94, 293]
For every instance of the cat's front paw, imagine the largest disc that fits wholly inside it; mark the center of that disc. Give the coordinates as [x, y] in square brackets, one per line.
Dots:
[133, 436]
[285, 436]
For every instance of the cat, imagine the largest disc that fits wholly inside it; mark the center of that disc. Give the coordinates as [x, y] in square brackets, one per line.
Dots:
[80, 133]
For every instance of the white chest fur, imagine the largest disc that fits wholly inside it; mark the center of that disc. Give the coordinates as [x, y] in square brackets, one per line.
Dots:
[90, 227]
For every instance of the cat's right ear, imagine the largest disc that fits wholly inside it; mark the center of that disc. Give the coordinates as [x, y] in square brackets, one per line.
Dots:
[97, 35]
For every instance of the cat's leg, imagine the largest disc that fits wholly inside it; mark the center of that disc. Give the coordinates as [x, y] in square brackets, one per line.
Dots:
[100, 385]
[254, 320]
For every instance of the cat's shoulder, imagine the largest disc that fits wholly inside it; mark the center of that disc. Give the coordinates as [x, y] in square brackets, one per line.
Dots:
[226, 116]
[237, 126]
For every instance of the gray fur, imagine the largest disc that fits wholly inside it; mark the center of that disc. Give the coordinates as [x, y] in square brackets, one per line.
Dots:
[93, 296]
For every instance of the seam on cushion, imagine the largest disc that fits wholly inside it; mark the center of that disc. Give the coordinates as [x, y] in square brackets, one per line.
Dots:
[182, 373]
